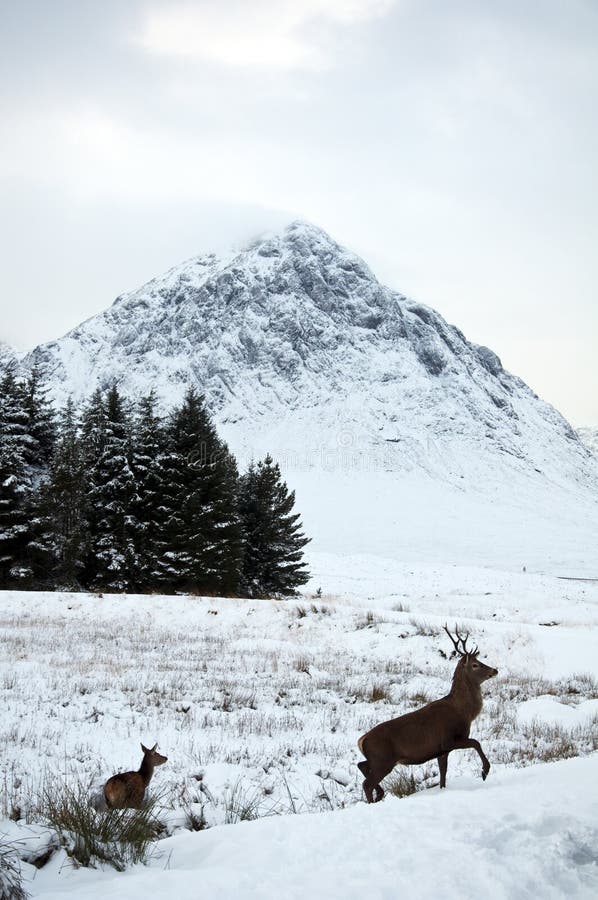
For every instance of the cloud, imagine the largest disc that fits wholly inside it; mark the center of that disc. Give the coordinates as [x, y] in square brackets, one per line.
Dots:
[263, 33]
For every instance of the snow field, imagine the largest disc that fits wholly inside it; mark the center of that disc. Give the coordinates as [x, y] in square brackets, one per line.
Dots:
[524, 834]
[258, 705]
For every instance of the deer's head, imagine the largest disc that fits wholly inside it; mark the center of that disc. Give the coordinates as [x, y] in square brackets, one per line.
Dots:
[152, 756]
[469, 664]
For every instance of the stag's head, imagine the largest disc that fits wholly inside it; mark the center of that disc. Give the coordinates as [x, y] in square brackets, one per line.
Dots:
[469, 664]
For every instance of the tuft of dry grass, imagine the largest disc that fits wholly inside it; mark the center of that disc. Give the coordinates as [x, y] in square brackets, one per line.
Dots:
[11, 879]
[367, 621]
[401, 607]
[302, 664]
[418, 698]
[548, 741]
[424, 629]
[380, 692]
[117, 837]
[402, 784]
[240, 805]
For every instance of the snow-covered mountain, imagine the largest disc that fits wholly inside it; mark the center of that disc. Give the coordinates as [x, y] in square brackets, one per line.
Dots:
[295, 324]
[301, 351]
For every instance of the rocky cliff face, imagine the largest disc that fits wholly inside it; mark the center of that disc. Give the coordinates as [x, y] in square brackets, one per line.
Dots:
[7, 354]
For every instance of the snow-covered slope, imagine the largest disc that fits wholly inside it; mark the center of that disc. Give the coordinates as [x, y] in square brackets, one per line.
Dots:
[589, 437]
[528, 834]
[300, 351]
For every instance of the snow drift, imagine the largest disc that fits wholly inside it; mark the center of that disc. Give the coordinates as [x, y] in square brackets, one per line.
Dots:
[523, 834]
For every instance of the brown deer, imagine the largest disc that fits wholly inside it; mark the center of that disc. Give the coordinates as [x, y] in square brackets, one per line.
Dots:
[127, 790]
[432, 731]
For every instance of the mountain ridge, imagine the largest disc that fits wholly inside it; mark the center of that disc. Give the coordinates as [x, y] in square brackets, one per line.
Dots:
[293, 338]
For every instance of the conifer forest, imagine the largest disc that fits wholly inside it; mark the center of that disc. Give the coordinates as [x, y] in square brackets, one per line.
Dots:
[115, 496]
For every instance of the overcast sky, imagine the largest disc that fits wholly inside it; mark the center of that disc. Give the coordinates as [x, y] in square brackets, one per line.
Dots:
[453, 145]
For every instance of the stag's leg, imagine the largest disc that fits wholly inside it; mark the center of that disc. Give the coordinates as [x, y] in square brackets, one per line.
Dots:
[379, 793]
[368, 785]
[442, 765]
[471, 743]
[368, 789]
[374, 792]
[377, 770]
[364, 767]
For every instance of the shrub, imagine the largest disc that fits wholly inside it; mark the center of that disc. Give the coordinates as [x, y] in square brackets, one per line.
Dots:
[119, 837]
[402, 784]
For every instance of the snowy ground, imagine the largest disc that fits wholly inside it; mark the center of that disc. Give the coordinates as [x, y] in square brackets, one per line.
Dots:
[530, 833]
[258, 705]
[499, 517]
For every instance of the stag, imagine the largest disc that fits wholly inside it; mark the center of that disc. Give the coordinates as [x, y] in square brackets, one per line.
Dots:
[431, 732]
[127, 790]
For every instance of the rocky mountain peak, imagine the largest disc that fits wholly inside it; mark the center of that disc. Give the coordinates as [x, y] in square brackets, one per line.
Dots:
[293, 339]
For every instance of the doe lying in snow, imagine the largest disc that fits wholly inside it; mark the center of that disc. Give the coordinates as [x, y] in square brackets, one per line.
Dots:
[127, 790]
[432, 731]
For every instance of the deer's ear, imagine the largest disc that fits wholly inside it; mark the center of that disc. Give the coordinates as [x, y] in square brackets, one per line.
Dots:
[144, 749]
[154, 747]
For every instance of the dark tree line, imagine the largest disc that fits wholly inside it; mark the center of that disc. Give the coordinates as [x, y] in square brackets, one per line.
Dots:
[116, 497]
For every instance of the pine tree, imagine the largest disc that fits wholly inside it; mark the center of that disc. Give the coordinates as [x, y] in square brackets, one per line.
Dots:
[111, 495]
[38, 455]
[93, 440]
[62, 532]
[225, 520]
[148, 508]
[15, 482]
[93, 428]
[41, 421]
[273, 560]
[168, 567]
[202, 537]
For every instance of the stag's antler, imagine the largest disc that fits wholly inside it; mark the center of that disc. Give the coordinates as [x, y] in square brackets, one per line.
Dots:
[461, 650]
